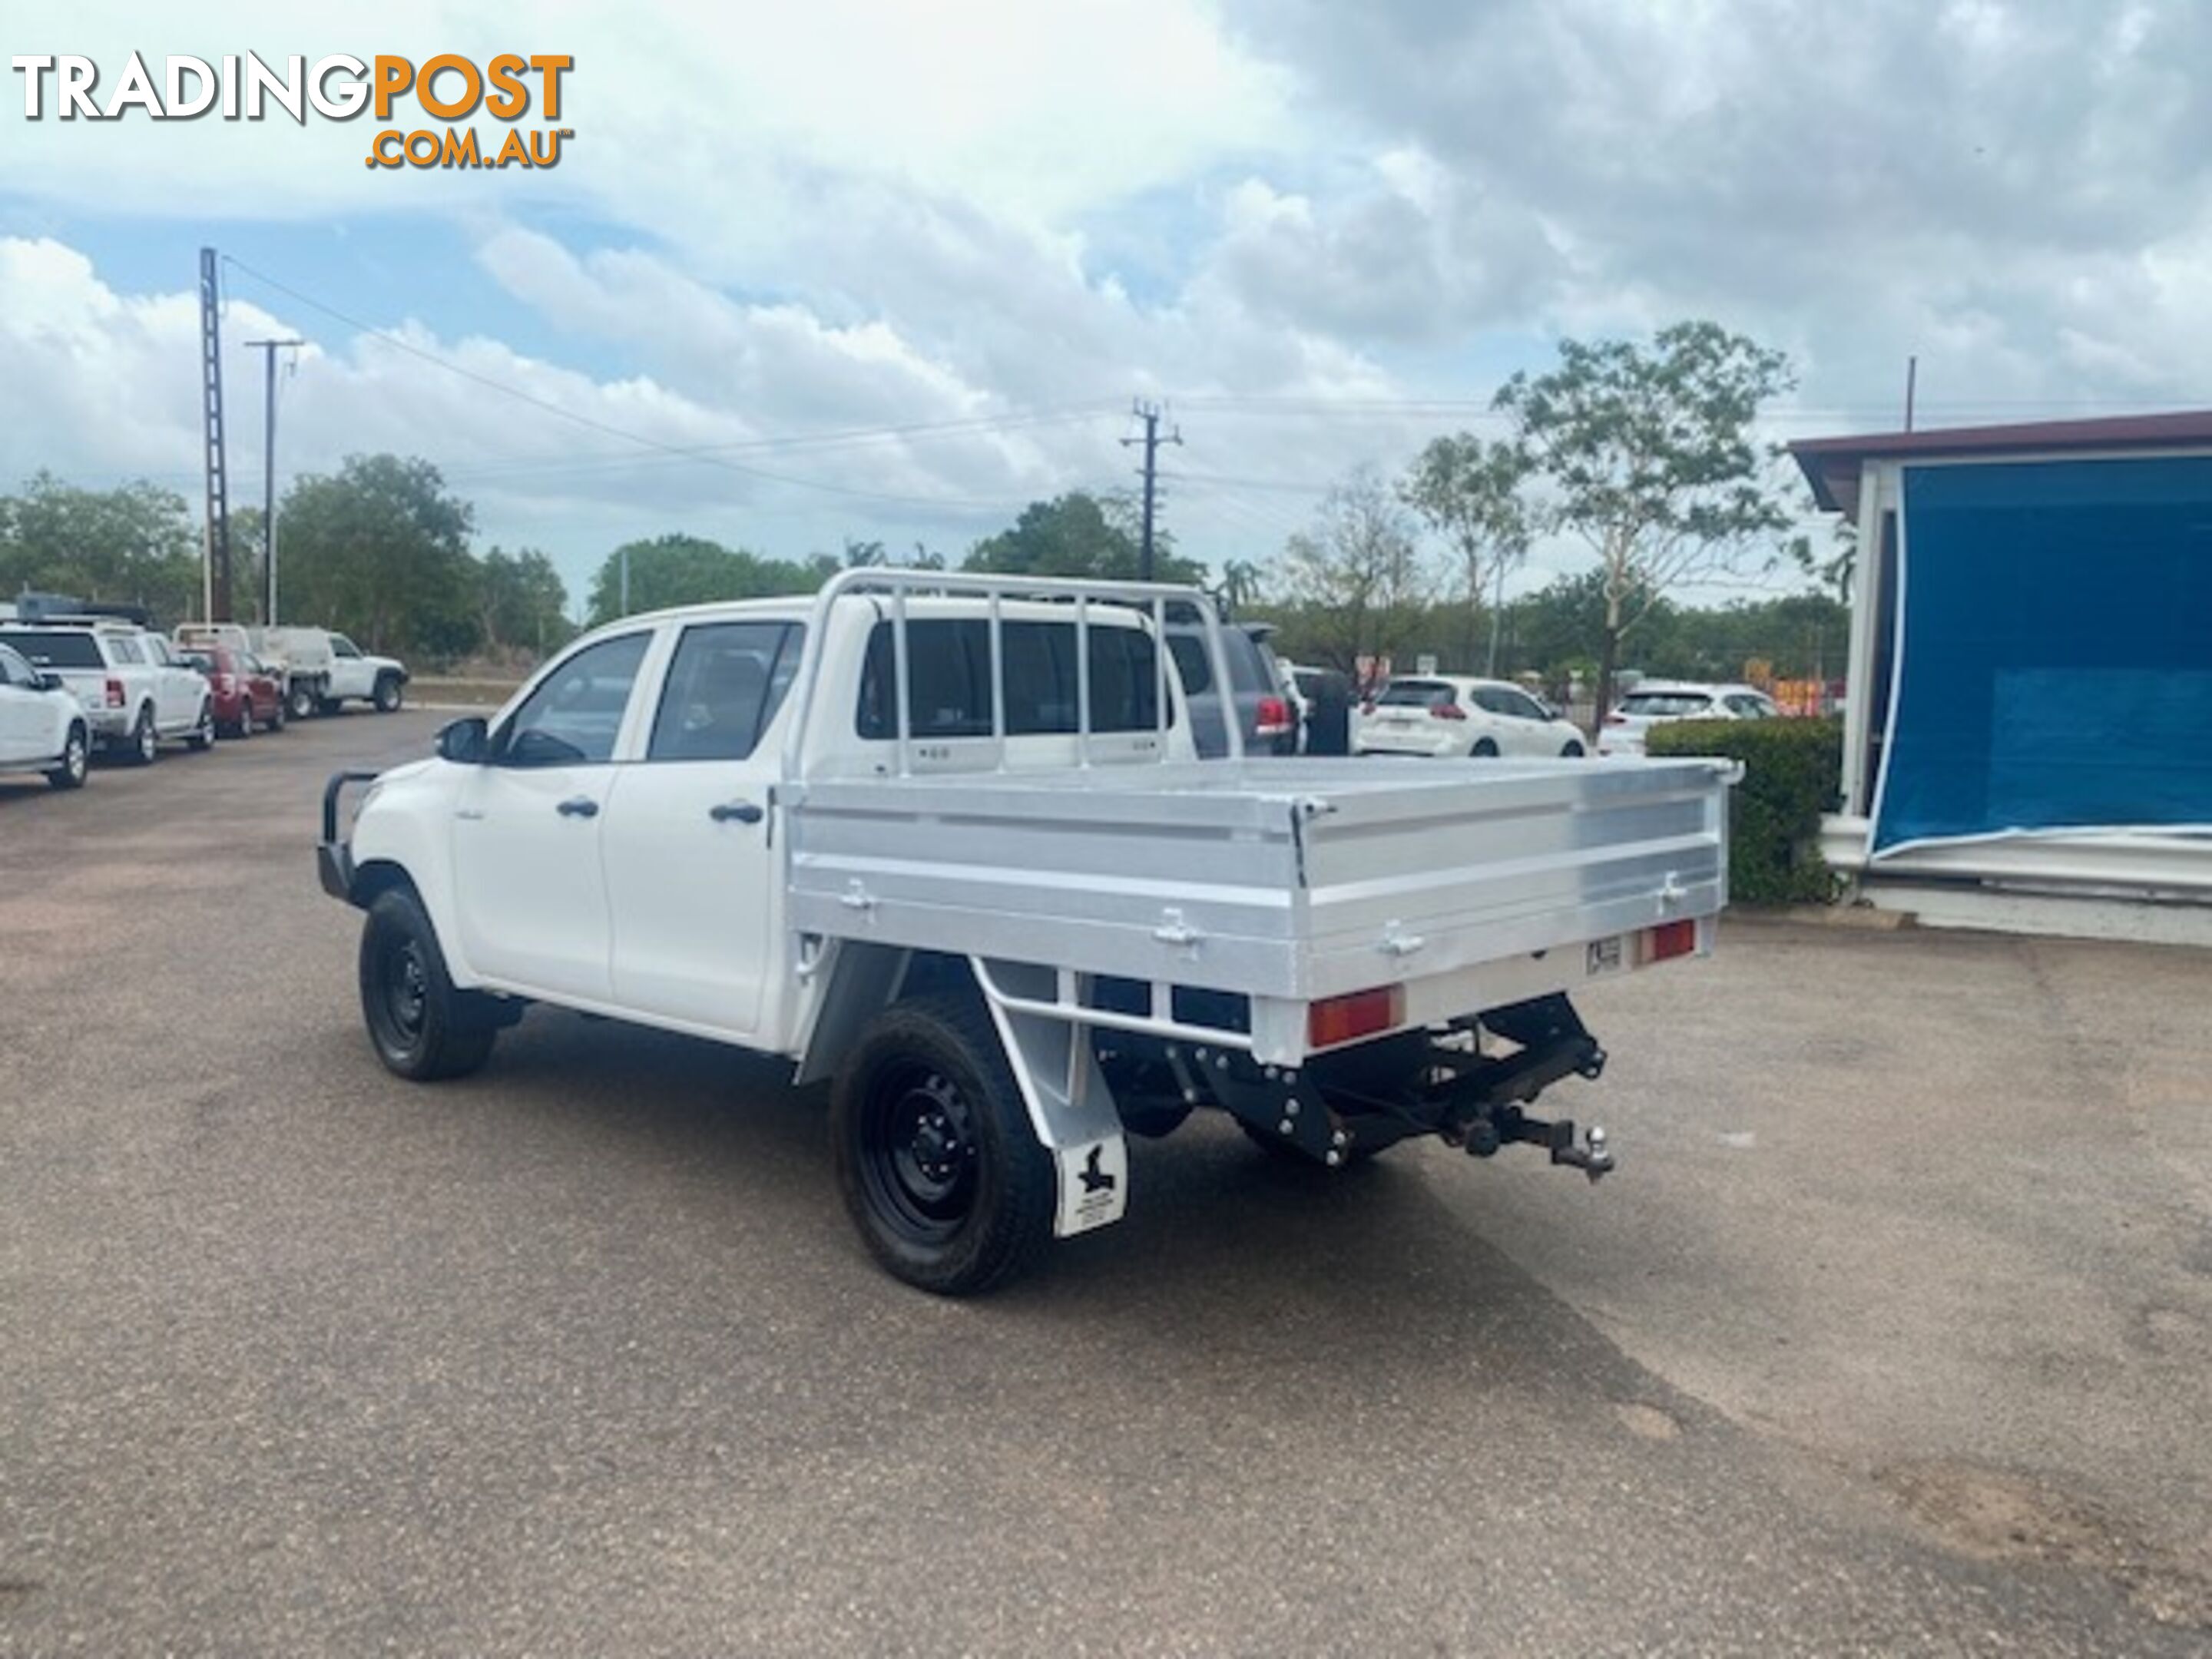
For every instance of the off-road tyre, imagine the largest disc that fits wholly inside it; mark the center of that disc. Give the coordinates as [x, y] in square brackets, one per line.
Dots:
[422, 1028]
[937, 1162]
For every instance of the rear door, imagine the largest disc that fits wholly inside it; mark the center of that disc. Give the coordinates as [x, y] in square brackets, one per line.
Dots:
[689, 831]
[528, 883]
[23, 714]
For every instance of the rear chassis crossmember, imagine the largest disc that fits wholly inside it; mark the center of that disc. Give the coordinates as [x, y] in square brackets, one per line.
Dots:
[1353, 1101]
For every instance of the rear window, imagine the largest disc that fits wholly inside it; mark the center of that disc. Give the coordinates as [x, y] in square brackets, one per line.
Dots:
[1193, 661]
[1416, 694]
[1666, 703]
[57, 647]
[949, 679]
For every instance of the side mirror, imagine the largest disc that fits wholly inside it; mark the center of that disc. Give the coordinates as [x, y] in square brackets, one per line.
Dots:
[49, 681]
[465, 742]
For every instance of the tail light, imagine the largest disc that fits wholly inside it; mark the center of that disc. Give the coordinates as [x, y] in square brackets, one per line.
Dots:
[1448, 711]
[114, 692]
[1347, 1018]
[1274, 718]
[1667, 940]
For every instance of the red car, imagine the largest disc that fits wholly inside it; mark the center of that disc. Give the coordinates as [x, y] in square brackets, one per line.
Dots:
[246, 693]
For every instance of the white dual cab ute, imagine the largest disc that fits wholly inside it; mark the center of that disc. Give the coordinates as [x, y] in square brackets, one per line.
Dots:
[944, 840]
[318, 670]
[134, 689]
[42, 727]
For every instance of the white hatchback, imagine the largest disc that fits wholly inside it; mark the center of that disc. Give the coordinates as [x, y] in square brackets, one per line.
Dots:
[1654, 703]
[1445, 715]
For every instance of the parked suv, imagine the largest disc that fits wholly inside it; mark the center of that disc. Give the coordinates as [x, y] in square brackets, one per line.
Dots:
[43, 727]
[246, 693]
[134, 689]
[1270, 725]
[1654, 703]
[1444, 714]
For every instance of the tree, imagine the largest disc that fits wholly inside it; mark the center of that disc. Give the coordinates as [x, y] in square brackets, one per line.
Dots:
[1242, 583]
[679, 569]
[1359, 573]
[380, 551]
[1835, 572]
[1469, 493]
[136, 543]
[1648, 456]
[521, 601]
[1079, 534]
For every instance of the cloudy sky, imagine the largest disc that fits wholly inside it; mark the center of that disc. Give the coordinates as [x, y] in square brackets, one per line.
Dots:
[891, 270]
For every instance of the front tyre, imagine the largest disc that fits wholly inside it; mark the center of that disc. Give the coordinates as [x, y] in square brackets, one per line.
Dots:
[937, 1162]
[68, 772]
[387, 694]
[423, 1027]
[299, 701]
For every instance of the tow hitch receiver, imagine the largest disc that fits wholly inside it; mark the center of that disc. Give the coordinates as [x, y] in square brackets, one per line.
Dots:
[1593, 1157]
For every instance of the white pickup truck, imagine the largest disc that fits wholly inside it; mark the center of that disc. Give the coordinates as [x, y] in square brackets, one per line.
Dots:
[135, 689]
[944, 840]
[317, 669]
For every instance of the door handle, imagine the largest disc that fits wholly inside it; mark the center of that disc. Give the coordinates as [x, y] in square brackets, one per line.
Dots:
[744, 812]
[578, 806]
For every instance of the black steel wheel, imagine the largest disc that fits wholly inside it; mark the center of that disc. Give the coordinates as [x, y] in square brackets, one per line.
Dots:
[423, 1028]
[75, 761]
[939, 1165]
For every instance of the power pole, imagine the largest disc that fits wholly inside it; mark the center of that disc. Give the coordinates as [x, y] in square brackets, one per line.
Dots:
[1149, 415]
[268, 350]
[215, 570]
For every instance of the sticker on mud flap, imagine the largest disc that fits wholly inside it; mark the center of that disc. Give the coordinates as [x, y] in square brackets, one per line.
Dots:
[1604, 957]
[1094, 1185]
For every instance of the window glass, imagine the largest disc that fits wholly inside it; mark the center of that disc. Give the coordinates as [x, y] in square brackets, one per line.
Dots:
[723, 687]
[574, 716]
[342, 647]
[125, 650]
[1668, 703]
[57, 647]
[1522, 706]
[1415, 694]
[13, 670]
[949, 678]
[1750, 708]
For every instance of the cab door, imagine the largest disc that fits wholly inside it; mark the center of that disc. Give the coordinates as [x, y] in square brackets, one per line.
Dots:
[528, 882]
[690, 832]
[25, 713]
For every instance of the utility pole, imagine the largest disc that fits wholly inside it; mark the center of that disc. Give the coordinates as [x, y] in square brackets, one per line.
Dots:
[1149, 415]
[214, 579]
[268, 350]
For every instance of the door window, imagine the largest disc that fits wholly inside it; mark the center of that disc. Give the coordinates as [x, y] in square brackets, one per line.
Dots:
[574, 718]
[125, 650]
[342, 647]
[723, 687]
[13, 670]
[949, 678]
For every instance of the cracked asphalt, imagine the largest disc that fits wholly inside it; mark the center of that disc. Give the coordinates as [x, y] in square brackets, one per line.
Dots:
[1892, 1334]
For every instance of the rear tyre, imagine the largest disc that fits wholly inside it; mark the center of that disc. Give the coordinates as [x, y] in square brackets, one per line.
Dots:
[277, 715]
[68, 772]
[1572, 751]
[937, 1162]
[145, 741]
[1485, 750]
[242, 728]
[201, 737]
[299, 701]
[421, 1027]
[388, 694]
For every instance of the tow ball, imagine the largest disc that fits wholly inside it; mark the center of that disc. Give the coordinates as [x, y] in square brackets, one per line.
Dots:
[1593, 1156]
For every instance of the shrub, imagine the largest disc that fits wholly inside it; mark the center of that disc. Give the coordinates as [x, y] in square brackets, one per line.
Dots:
[1792, 773]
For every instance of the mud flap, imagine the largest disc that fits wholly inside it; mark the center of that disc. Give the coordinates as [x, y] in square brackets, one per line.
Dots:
[1070, 1105]
[1094, 1186]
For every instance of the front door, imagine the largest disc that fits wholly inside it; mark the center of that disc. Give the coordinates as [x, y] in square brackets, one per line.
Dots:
[690, 832]
[528, 880]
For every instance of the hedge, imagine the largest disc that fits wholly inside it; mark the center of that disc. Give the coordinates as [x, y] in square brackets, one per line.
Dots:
[1792, 773]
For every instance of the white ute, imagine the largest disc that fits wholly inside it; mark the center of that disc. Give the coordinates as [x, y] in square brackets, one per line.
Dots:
[944, 840]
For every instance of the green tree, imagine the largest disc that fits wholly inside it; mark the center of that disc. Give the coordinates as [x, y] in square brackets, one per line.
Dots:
[1243, 584]
[1469, 493]
[521, 601]
[1079, 534]
[1648, 456]
[1358, 575]
[380, 552]
[137, 543]
[679, 569]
